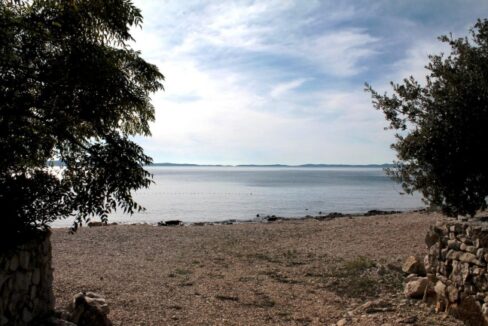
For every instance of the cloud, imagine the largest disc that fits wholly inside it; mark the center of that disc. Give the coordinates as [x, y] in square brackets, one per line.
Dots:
[283, 88]
[280, 81]
[340, 53]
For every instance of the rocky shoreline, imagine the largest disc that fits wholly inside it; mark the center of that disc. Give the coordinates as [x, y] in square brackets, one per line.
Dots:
[274, 218]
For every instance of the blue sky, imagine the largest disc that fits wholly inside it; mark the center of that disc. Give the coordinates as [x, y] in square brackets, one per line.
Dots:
[282, 81]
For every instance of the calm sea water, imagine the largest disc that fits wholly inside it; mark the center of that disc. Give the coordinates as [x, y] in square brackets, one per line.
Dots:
[194, 194]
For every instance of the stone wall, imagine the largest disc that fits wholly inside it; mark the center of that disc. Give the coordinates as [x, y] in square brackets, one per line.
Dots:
[457, 266]
[26, 283]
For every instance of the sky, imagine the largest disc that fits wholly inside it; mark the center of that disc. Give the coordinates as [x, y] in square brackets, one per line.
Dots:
[282, 81]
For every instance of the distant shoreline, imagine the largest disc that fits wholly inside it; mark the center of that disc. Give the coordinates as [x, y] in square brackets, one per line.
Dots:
[273, 218]
[275, 165]
[308, 165]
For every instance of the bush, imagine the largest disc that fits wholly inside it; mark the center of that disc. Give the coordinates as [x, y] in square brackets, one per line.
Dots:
[441, 126]
[71, 90]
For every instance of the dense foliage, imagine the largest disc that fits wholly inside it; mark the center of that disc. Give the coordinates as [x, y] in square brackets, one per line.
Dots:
[442, 126]
[71, 90]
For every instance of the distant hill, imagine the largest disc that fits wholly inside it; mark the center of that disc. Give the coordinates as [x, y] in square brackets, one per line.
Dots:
[263, 165]
[187, 164]
[385, 165]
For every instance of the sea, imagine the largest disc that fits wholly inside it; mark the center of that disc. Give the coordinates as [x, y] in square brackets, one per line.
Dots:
[210, 194]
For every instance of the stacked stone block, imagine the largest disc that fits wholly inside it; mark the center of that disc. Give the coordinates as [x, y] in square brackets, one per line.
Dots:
[26, 283]
[457, 265]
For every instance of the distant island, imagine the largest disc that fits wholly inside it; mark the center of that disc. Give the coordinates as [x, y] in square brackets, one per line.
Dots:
[386, 165]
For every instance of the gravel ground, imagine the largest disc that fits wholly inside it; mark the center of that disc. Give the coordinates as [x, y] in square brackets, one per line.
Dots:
[298, 272]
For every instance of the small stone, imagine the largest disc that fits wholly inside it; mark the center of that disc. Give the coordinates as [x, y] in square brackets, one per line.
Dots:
[465, 272]
[452, 293]
[462, 218]
[453, 255]
[416, 289]
[26, 315]
[484, 309]
[440, 289]
[482, 240]
[480, 253]
[24, 259]
[33, 292]
[431, 238]
[444, 252]
[454, 244]
[342, 322]
[3, 279]
[96, 299]
[14, 263]
[468, 310]
[458, 228]
[36, 276]
[470, 258]
[480, 296]
[408, 320]
[468, 291]
[479, 270]
[375, 306]
[89, 307]
[413, 265]
[22, 281]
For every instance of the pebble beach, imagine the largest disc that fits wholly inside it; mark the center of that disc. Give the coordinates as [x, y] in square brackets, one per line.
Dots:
[286, 272]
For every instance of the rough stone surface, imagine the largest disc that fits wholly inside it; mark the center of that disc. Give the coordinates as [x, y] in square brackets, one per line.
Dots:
[440, 288]
[416, 288]
[452, 293]
[458, 255]
[90, 309]
[413, 265]
[342, 322]
[26, 283]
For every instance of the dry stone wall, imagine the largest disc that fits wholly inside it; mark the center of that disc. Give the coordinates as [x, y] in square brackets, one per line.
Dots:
[457, 265]
[26, 283]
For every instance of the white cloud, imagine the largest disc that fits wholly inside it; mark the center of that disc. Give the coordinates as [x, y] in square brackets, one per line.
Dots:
[220, 114]
[340, 52]
[273, 81]
[272, 27]
[283, 88]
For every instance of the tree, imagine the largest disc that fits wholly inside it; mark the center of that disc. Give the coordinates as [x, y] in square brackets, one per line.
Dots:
[442, 126]
[71, 90]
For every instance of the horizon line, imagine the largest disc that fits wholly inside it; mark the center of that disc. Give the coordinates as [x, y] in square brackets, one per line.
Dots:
[271, 165]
